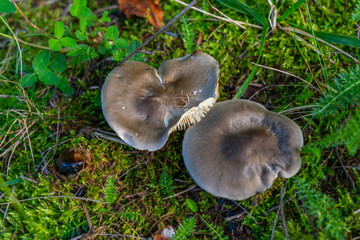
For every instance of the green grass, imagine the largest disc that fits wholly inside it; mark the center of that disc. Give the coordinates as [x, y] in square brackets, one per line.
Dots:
[320, 202]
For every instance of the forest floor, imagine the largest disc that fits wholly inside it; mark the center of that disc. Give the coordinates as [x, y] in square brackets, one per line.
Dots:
[54, 59]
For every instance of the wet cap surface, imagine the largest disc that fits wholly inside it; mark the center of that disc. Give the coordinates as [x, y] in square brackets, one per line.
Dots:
[143, 105]
[239, 149]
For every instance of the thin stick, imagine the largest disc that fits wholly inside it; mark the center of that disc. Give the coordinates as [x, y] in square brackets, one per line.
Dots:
[88, 217]
[220, 18]
[274, 225]
[286, 233]
[134, 167]
[179, 193]
[119, 236]
[29, 179]
[6, 209]
[27, 20]
[245, 211]
[61, 196]
[234, 22]
[287, 73]
[282, 193]
[158, 32]
[343, 166]
[298, 108]
[17, 44]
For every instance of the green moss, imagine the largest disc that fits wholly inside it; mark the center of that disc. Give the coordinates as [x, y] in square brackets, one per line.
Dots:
[140, 188]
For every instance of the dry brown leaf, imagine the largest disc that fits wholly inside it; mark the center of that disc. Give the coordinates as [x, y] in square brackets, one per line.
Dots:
[164, 234]
[149, 9]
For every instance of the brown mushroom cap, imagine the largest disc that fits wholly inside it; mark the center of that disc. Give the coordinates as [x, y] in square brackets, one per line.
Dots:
[143, 105]
[239, 149]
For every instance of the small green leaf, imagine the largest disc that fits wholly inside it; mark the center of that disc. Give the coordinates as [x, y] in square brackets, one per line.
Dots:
[138, 57]
[59, 29]
[54, 44]
[48, 77]
[6, 6]
[121, 43]
[58, 63]
[65, 87]
[134, 44]
[112, 33]
[41, 60]
[192, 205]
[77, 7]
[80, 35]
[27, 80]
[83, 24]
[104, 17]
[68, 42]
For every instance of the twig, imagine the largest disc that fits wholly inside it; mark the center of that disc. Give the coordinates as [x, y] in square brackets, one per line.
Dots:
[343, 166]
[298, 108]
[245, 211]
[274, 225]
[29, 179]
[274, 85]
[282, 193]
[87, 217]
[7, 208]
[287, 73]
[61, 196]
[286, 233]
[120, 235]
[27, 20]
[232, 21]
[220, 18]
[134, 168]
[17, 44]
[158, 32]
[179, 193]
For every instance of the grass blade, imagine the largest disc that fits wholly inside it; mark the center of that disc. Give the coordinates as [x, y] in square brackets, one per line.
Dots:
[291, 10]
[339, 39]
[245, 85]
[241, 7]
[333, 37]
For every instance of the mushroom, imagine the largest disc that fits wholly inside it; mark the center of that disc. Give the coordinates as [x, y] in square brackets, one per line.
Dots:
[239, 149]
[143, 105]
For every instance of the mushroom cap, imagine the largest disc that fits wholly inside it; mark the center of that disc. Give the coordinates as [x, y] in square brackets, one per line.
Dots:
[143, 105]
[239, 149]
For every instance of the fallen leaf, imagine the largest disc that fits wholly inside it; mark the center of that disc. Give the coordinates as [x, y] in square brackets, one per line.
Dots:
[149, 9]
[164, 234]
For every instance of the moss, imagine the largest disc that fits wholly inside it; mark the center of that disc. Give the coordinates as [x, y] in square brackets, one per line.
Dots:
[140, 207]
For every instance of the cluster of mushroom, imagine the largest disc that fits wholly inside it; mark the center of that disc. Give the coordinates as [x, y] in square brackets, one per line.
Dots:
[234, 152]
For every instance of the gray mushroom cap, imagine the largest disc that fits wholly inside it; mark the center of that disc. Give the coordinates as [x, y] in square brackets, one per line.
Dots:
[239, 149]
[143, 105]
